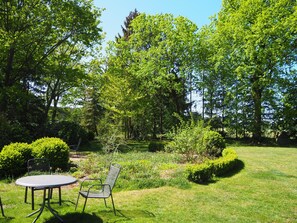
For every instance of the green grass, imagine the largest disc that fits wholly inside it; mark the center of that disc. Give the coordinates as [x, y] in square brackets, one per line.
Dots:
[265, 190]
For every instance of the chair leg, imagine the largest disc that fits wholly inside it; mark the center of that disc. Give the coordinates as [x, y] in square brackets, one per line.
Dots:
[26, 194]
[2, 211]
[32, 197]
[60, 199]
[114, 210]
[85, 204]
[105, 202]
[50, 193]
[77, 201]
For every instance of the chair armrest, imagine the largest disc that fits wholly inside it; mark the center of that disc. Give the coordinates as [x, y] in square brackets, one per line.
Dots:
[89, 179]
[102, 186]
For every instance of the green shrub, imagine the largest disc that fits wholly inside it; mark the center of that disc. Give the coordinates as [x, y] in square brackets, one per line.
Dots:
[213, 143]
[11, 162]
[54, 149]
[155, 146]
[188, 140]
[227, 163]
[201, 173]
[24, 148]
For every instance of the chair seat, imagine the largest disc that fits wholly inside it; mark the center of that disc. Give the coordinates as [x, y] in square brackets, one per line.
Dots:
[94, 194]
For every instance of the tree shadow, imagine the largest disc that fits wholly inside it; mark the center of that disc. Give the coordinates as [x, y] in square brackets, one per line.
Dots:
[76, 218]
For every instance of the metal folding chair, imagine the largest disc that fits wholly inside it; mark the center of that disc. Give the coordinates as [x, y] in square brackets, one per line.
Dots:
[99, 190]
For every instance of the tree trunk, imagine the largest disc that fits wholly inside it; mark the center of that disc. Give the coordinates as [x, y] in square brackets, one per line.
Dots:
[257, 99]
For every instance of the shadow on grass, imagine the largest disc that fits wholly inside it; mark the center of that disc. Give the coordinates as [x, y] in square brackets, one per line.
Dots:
[77, 218]
[5, 219]
[122, 215]
[238, 167]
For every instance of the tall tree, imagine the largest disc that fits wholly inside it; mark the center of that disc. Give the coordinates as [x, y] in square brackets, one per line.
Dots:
[127, 29]
[30, 33]
[259, 39]
[156, 62]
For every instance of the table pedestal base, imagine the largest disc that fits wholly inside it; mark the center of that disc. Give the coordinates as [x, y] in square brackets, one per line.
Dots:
[45, 203]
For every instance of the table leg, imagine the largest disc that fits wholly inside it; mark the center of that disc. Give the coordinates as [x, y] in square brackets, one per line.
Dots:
[40, 210]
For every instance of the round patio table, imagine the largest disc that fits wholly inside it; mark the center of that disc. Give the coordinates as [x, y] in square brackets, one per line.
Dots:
[45, 182]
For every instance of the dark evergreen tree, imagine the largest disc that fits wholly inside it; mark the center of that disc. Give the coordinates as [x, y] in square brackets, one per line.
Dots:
[127, 29]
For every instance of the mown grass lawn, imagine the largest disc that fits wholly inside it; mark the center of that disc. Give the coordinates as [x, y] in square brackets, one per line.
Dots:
[265, 190]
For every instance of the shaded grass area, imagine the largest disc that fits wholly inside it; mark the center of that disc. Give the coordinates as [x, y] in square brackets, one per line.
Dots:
[265, 190]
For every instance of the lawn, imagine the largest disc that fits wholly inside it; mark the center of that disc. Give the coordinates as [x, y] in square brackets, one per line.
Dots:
[265, 190]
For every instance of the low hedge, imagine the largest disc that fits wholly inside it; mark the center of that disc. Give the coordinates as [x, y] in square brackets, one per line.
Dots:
[226, 163]
[201, 173]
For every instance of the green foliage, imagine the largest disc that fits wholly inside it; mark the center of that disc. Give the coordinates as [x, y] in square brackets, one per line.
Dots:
[213, 143]
[139, 169]
[148, 73]
[202, 173]
[227, 163]
[11, 162]
[188, 140]
[12, 132]
[155, 146]
[193, 139]
[54, 149]
[110, 134]
[45, 51]
[248, 66]
[69, 132]
[24, 148]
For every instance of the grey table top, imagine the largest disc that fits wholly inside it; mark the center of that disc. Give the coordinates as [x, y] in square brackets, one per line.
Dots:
[46, 181]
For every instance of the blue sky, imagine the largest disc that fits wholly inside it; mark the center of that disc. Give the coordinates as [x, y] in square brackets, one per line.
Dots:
[116, 11]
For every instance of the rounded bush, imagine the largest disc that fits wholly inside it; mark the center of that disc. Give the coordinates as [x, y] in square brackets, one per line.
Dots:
[54, 149]
[213, 143]
[11, 162]
[24, 148]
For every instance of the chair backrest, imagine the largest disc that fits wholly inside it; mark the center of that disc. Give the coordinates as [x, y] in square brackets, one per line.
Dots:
[113, 173]
[37, 165]
[78, 144]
